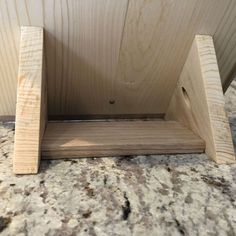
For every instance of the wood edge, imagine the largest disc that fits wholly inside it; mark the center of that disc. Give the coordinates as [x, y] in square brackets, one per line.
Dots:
[18, 169]
[25, 171]
[7, 118]
[61, 156]
[219, 156]
[225, 162]
[186, 117]
[104, 117]
[27, 27]
[229, 79]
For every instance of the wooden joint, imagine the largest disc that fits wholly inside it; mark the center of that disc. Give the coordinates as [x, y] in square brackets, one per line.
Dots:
[198, 101]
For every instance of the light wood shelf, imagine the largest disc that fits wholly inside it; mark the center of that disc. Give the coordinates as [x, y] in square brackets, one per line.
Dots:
[112, 138]
[195, 119]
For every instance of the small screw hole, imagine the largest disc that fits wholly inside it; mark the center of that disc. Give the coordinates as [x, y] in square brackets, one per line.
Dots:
[186, 98]
[112, 102]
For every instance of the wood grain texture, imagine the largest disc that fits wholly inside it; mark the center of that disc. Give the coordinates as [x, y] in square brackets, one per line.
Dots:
[31, 108]
[198, 101]
[157, 38]
[85, 45]
[94, 139]
[9, 53]
[225, 43]
[82, 43]
[110, 57]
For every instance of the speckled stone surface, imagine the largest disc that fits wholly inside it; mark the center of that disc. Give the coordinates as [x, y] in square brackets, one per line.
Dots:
[144, 195]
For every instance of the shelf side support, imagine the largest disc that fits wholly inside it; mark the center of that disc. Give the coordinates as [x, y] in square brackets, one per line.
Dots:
[198, 101]
[31, 107]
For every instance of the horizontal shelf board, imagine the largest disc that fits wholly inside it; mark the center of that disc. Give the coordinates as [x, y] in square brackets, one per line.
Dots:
[105, 117]
[94, 139]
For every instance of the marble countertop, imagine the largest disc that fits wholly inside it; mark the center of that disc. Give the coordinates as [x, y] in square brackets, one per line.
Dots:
[143, 195]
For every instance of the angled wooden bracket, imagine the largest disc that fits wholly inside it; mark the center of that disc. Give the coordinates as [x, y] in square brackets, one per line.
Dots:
[198, 101]
[31, 109]
[196, 106]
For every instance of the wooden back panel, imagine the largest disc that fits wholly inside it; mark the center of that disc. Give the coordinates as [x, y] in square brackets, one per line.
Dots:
[109, 57]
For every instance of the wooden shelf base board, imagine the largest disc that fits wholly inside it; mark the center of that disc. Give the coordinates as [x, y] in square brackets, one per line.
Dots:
[97, 139]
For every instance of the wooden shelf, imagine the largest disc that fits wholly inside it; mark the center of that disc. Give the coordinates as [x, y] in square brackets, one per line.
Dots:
[88, 139]
[197, 102]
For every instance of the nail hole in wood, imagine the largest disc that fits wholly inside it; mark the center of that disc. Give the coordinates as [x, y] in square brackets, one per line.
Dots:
[112, 102]
[186, 98]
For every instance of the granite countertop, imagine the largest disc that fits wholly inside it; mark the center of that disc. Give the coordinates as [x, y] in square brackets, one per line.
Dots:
[143, 195]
